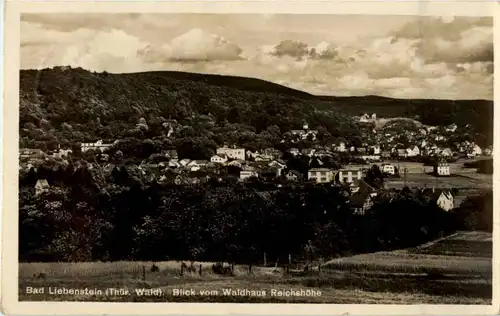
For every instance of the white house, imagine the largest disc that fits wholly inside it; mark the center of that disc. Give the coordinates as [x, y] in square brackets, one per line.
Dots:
[370, 157]
[451, 128]
[341, 147]
[389, 169]
[184, 162]
[445, 200]
[349, 175]
[196, 165]
[232, 153]
[446, 152]
[278, 165]
[98, 145]
[294, 151]
[305, 132]
[442, 169]
[218, 158]
[365, 118]
[474, 151]
[412, 152]
[41, 186]
[235, 163]
[245, 174]
[376, 149]
[320, 175]
[61, 153]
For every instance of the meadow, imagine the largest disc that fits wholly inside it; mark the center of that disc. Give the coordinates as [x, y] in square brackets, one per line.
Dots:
[452, 270]
[458, 181]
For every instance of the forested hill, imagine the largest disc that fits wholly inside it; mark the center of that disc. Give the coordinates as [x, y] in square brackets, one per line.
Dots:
[66, 105]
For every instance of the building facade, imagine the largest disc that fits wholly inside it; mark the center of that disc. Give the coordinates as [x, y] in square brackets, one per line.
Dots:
[320, 175]
[232, 153]
[98, 145]
[348, 176]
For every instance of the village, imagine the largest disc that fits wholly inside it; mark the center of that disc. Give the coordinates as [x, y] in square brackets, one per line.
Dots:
[401, 167]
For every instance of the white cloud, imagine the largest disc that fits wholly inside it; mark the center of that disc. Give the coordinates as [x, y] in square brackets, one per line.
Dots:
[446, 57]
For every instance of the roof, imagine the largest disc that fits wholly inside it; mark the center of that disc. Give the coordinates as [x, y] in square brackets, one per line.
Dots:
[42, 182]
[294, 172]
[365, 190]
[320, 169]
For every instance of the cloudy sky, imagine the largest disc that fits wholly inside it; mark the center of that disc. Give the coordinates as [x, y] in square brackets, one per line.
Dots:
[397, 56]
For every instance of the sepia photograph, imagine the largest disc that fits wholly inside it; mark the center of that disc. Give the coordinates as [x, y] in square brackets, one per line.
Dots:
[255, 158]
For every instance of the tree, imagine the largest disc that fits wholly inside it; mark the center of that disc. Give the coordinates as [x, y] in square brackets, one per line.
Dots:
[374, 177]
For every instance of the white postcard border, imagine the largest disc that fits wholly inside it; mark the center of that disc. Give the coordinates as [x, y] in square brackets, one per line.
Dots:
[9, 266]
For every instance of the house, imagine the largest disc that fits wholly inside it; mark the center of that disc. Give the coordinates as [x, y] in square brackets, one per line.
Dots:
[251, 154]
[474, 151]
[249, 173]
[98, 145]
[263, 157]
[62, 153]
[388, 169]
[365, 118]
[412, 152]
[446, 152]
[235, 163]
[279, 165]
[171, 154]
[308, 152]
[320, 175]
[402, 153]
[196, 165]
[174, 163]
[218, 158]
[444, 199]
[293, 175]
[294, 151]
[273, 153]
[341, 147]
[451, 128]
[386, 154]
[31, 155]
[375, 150]
[370, 157]
[232, 153]
[305, 132]
[349, 175]
[442, 168]
[41, 186]
[184, 162]
[362, 199]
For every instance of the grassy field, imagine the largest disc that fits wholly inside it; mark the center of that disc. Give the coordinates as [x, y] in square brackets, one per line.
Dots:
[461, 181]
[453, 270]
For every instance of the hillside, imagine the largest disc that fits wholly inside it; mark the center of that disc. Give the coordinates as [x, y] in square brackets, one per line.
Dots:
[65, 106]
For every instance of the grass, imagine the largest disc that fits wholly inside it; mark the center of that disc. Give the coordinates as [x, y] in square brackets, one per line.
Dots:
[421, 180]
[434, 273]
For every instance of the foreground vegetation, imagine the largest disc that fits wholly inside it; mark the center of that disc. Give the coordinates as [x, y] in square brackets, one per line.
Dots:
[400, 277]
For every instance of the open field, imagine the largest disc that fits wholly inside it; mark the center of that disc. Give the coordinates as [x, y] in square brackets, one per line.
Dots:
[453, 270]
[422, 180]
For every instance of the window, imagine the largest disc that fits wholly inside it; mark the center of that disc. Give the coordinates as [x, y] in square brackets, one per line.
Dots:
[323, 173]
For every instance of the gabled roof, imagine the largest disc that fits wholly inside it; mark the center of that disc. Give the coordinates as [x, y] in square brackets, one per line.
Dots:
[365, 190]
[42, 182]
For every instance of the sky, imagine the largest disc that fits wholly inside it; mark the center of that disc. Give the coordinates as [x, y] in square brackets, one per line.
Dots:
[394, 56]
